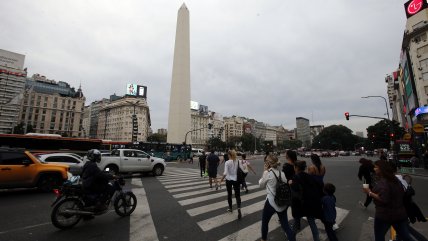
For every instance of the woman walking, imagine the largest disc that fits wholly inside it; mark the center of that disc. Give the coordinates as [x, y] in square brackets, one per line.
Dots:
[317, 169]
[388, 196]
[230, 173]
[288, 167]
[269, 182]
[366, 174]
[247, 168]
[306, 201]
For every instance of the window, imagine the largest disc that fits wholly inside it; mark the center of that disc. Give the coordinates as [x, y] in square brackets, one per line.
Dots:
[13, 158]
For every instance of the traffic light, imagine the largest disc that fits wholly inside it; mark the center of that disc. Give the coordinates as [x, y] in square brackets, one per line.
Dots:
[347, 115]
[391, 135]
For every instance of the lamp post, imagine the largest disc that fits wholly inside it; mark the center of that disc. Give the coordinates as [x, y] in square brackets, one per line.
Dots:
[378, 96]
[134, 122]
[387, 112]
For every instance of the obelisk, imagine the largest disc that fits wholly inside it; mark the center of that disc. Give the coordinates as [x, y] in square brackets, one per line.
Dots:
[179, 102]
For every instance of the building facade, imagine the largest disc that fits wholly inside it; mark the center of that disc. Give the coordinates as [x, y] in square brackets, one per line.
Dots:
[115, 119]
[52, 107]
[303, 132]
[12, 84]
[233, 127]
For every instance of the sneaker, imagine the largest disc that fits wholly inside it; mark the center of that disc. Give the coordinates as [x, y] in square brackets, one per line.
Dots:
[239, 213]
[246, 190]
[335, 227]
[229, 210]
[361, 204]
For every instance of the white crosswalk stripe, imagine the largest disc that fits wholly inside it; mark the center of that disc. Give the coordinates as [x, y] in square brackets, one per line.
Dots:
[193, 193]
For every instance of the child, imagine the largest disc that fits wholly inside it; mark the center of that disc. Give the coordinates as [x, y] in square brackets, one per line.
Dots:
[329, 210]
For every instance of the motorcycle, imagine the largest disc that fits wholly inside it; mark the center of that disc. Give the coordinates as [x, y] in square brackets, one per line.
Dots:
[72, 203]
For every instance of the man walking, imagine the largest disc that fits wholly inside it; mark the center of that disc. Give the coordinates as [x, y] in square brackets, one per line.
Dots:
[202, 162]
[213, 162]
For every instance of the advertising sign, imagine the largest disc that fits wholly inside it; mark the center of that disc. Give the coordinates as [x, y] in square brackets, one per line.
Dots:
[142, 91]
[194, 105]
[11, 59]
[413, 7]
[131, 89]
[203, 110]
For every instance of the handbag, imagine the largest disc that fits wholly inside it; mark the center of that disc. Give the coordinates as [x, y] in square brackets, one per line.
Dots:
[240, 175]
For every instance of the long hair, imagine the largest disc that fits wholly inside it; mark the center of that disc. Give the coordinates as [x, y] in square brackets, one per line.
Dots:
[386, 171]
[316, 161]
[292, 155]
[273, 161]
[365, 162]
[300, 166]
[232, 154]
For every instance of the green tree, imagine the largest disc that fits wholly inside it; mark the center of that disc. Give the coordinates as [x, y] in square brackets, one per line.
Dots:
[247, 142]
[20, 128]
[379, 134]
[336, 137]
[156, 137]
[216, 144]
[292, 144]
[233, 142]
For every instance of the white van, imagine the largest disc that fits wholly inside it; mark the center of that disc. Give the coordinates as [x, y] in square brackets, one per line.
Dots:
[197, 152]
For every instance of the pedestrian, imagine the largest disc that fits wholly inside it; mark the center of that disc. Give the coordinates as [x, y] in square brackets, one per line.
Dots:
[269, 182]
[388, 196]
[367, 175]
[225, 156]
[247, 167]
[329, 210]
[317, 169]
[202, 162]
[230, 174]
[306, 198]
[212, 165]
[288, 167]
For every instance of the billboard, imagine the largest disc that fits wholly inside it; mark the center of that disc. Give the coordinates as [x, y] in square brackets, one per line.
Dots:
[203, 110]
[136, 90]
[413, 7]
[11, 59]
[194, 105]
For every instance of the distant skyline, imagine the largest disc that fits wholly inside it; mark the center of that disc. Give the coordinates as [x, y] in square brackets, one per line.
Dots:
[271, 61]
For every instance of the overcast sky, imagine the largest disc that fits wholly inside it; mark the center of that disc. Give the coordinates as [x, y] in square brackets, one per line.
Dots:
[271, 60]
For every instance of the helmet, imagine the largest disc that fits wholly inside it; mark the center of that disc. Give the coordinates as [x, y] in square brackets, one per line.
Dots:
[94, 155]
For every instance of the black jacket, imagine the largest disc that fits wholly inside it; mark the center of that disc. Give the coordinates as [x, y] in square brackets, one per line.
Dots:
[94, 180]
[307, 194]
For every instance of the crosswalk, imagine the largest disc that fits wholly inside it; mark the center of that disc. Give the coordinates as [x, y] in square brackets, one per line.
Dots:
[193, 194]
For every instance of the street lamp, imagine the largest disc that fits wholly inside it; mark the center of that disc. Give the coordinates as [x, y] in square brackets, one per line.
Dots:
[378, 96]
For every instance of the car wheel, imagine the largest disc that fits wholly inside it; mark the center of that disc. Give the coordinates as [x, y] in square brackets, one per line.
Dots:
[112, 169]
[158, 170]
[48, 182]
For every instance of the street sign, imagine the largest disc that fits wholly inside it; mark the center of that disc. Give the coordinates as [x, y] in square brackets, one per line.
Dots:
[418, 128]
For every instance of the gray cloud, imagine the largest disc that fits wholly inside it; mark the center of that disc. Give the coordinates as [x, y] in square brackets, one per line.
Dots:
[269, 60]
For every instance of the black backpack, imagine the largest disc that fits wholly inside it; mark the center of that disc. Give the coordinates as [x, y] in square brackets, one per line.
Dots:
[283, 192]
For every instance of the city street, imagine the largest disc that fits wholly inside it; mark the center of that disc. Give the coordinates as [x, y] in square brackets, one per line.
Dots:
[180, 206]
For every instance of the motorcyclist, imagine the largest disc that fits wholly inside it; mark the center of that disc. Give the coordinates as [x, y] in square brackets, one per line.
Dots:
[95, 181]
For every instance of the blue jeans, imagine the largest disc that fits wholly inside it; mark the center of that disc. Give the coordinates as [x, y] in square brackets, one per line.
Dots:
[312, 225]
[268, 211]
[381, 227]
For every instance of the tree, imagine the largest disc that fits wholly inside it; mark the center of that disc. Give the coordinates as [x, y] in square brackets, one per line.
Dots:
[20, 128]
[156, 137]
[216, 144]
[336, 137]
[233, 142]
[379, 134]
[247, 141]
[292, 144]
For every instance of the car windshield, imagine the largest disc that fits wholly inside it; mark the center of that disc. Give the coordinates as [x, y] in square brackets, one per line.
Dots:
[38, 158]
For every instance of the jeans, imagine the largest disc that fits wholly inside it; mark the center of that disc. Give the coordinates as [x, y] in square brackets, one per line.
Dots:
[202, 167]
[401, 227]
[237, 190]
[268, 211]
[312, 225]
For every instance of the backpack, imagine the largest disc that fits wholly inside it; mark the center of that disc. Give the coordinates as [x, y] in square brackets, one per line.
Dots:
[283, 192]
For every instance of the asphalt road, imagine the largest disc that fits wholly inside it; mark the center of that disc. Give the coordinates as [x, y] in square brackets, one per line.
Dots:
[180, 206]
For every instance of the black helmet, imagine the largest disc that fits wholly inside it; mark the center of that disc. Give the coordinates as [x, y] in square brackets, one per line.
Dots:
[94, 155]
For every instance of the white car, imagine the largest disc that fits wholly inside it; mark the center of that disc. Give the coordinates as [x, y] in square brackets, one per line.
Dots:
[74, 161]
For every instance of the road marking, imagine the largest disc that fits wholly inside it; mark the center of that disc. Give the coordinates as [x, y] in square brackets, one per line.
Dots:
[207, 197]
[205, 185]
[218, 205]
[141, 227]
[185, 184]
[187, 194]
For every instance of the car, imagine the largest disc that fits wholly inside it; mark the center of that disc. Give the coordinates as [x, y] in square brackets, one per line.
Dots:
[369, 153]
[197, 152]
[74, 161]
[308, 154]
[21, 169]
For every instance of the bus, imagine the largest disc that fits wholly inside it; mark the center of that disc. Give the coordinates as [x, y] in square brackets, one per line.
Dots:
[48, 142]
[167, 151]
